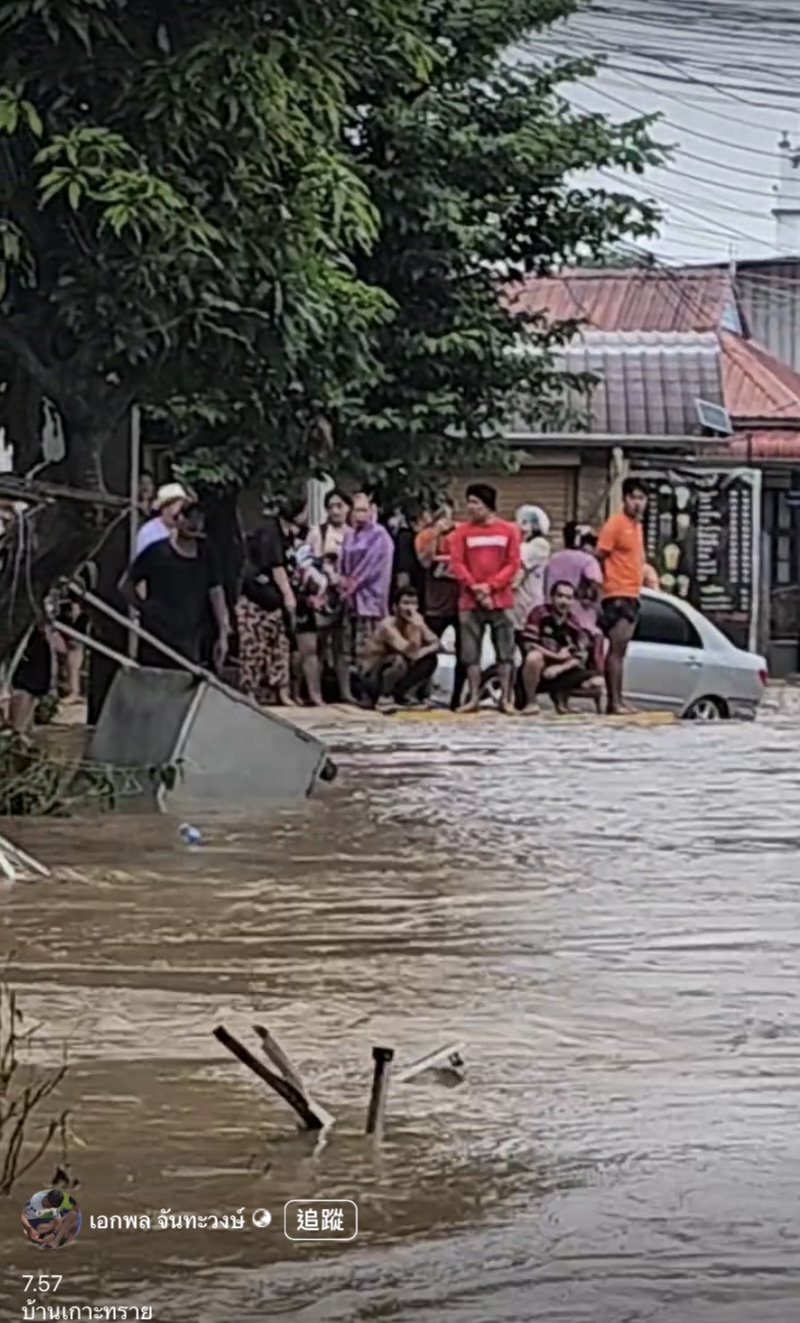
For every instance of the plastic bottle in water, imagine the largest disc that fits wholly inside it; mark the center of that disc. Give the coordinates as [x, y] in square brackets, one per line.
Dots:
[190, 835]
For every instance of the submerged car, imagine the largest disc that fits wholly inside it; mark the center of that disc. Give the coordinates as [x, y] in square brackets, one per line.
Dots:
[678, 662]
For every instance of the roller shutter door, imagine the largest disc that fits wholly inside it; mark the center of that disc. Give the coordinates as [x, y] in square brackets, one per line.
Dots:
[554, 489]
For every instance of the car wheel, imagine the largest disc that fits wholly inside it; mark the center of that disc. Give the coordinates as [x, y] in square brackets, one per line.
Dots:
[490, 692]
[707, 709]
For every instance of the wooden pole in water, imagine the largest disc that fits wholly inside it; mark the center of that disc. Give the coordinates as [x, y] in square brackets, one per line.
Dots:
[275, 1053]
[279, 1059]
[281, 1086]
[11, 854]
[442, 1057]
[382, 1057]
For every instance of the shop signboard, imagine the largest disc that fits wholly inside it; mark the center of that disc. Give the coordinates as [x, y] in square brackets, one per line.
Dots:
[702, 535]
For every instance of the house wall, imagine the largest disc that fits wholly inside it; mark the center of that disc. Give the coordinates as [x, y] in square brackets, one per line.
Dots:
[550, 479]
[769, 294]
[566, 483]
[593, 489]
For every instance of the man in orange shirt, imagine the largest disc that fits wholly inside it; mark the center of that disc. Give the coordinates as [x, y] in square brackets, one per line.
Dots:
[620, 550]
[432, 547]
[485, 559]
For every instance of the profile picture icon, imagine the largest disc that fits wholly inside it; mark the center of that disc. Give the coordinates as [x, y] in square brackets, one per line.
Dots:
[50, 1219]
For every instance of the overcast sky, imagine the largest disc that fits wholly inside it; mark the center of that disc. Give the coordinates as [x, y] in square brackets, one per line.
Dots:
[725, 75]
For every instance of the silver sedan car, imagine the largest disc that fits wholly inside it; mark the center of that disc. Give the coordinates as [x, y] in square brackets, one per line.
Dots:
[678, 662]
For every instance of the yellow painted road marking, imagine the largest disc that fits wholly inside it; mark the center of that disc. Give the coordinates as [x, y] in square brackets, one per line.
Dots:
[574, 718]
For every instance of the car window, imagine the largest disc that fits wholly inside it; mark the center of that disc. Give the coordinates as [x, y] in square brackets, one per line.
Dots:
[661, 622]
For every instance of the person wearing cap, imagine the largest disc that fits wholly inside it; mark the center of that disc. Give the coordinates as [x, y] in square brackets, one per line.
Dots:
[168, 502]
[485, 559]
[176, 584]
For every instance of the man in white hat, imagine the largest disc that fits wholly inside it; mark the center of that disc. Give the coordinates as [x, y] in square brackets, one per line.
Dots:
[167, 505]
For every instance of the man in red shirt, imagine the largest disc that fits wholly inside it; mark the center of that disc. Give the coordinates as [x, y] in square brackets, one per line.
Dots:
[485, 559]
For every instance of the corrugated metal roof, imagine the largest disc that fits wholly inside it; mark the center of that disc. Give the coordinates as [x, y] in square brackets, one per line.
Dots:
[756, 384]
[630, 300]
[647, 383]
[768, 293]
[650, 373]
[691, 342]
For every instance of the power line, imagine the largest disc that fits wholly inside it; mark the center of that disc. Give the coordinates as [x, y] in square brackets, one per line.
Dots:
[740, 170]
[738, 234]
[725, 23]
[716, 14]
[699, 48]
[681, 74]
[694, 156]
[706, 110]
[682, 79]
[703, 49]
[668, 168]
[657, 190]
[686, 49]
[677, 201]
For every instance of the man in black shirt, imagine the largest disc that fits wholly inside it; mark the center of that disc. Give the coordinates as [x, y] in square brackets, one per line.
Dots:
[182, 582]
[560, 657]
[407, 572]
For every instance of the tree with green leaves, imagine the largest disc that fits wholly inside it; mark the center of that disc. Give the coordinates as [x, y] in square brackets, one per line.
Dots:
[479, 175]
[179, 219]
[286, 227]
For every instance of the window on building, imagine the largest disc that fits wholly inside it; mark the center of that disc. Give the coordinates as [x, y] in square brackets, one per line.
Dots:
[782, 519]
[730, 320]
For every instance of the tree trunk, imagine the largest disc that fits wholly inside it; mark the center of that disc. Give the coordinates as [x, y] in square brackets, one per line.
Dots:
[224, 533]
[102, 670]
[56, 539]
[21, 416]
[46, 547]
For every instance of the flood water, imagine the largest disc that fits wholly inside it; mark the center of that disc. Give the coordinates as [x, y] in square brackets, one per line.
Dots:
[608, 917]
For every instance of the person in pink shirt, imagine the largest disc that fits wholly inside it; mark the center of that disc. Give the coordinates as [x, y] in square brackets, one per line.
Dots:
[576, 565]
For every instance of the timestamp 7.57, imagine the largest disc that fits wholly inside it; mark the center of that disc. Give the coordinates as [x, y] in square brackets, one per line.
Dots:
[44, 1282]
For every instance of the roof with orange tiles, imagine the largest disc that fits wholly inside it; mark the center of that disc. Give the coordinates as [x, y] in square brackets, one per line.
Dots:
[638, 299]
[755, 384]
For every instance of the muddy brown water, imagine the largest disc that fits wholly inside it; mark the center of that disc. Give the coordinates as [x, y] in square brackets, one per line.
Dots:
[609, 918]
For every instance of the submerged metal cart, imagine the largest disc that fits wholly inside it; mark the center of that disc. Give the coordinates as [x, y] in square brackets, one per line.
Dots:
[183, 740]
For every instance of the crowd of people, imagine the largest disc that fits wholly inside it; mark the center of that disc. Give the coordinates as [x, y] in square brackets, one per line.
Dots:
[354, 610]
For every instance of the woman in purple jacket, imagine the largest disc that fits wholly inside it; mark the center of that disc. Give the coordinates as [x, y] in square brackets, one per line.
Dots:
[366, 577]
